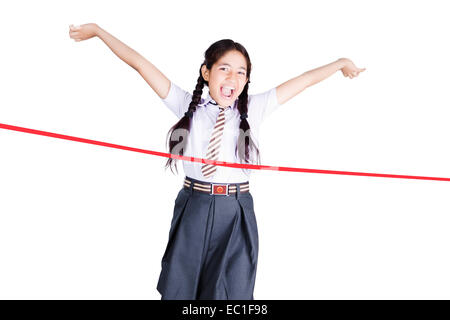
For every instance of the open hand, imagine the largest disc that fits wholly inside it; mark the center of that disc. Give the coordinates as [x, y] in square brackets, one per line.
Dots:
[349, 69]
[83, 32]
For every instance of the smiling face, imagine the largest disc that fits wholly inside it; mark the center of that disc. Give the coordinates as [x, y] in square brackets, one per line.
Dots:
[229, 71]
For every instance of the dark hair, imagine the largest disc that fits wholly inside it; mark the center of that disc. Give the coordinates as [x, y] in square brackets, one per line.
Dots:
[212, 55]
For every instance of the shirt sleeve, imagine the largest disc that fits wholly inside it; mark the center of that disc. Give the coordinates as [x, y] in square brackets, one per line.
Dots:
[261, 105]
[177, 100]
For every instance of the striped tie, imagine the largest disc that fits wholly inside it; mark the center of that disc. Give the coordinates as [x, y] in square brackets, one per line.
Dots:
[208, 170]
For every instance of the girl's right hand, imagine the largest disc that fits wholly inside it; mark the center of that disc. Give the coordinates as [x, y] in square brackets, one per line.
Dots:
[83, 32]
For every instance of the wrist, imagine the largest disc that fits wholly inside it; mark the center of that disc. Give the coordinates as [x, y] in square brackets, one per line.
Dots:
[342, 62]
[96, 29]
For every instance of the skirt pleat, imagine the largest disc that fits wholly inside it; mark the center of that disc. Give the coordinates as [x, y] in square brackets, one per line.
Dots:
[212, 251]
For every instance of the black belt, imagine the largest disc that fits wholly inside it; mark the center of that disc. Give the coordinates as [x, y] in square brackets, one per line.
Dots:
[217, 188]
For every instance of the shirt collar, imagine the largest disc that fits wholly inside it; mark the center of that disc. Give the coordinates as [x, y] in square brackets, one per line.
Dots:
[210, 100]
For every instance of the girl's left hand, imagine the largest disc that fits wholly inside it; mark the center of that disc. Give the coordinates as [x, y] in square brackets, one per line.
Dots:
[349, 69]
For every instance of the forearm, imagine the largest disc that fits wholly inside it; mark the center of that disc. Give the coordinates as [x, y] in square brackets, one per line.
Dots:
[294, 86]
[120, 49]
[316, 75]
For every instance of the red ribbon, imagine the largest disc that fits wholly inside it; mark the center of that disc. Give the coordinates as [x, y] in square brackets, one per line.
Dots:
[219, 163]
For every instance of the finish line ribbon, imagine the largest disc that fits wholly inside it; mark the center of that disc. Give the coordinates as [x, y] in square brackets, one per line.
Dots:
[214, 162]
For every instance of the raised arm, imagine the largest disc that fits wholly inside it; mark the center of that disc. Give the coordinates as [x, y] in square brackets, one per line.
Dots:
[292, 87]
[155, 78]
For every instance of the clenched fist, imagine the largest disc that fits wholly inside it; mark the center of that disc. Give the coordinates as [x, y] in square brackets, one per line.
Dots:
[83, 32]
[349, 69]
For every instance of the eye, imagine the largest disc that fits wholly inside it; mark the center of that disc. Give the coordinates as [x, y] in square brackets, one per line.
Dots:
[223, 68]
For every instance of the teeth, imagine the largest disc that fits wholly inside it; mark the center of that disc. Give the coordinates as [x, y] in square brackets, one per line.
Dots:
[227, 91]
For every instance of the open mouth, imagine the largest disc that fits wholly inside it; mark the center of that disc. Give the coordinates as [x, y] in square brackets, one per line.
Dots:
[227, 92]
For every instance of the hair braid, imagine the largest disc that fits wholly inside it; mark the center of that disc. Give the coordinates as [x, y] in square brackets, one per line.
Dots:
[184, 123]
[245, 142]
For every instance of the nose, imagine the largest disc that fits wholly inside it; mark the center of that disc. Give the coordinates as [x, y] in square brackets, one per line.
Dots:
[232, 77]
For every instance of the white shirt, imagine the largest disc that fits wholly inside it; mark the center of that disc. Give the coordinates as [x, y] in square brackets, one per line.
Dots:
[202, 123]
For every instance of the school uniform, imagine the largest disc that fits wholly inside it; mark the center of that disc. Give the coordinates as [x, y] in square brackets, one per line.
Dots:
[212, 250]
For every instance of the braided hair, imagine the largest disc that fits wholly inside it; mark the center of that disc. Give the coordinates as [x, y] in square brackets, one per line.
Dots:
[245, 142]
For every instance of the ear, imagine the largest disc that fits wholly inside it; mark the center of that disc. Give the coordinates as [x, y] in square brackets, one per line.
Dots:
[205, 73]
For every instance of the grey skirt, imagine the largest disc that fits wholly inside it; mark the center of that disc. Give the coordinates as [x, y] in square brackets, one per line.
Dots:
[212, 250]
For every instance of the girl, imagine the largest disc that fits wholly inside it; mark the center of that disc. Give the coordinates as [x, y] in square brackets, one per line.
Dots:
[212, 250]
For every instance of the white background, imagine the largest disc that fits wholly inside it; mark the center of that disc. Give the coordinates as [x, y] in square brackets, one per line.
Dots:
[80, 221]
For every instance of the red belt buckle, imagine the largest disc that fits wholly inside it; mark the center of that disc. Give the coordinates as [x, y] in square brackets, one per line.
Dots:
[220, 189]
